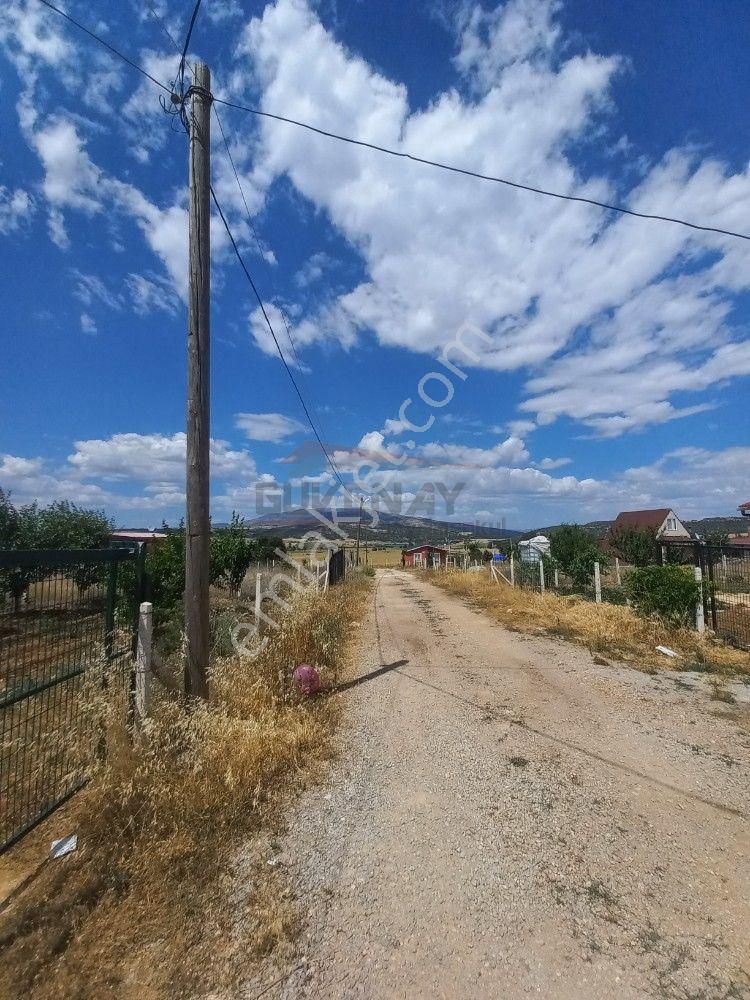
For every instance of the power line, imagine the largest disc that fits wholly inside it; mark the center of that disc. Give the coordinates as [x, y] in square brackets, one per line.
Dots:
[394, 152]
[239, 183]
[278, 346]
[181, 70]
[106, 45]
[483, 177]
[260, 249]
[162, 25]
[166, 31]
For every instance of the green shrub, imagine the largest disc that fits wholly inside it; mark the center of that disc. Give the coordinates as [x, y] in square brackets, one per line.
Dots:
[575, 551]
[667, 591]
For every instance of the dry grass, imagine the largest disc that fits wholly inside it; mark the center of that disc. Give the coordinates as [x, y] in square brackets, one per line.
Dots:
[611, 629]
[147, 906]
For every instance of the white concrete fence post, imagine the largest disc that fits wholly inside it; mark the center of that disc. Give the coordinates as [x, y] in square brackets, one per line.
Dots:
[617, 572]
[700, 622]
[557, 579]
[541, 574]
[258, 597]
[143, 662]
[512, 571]
[597, 584]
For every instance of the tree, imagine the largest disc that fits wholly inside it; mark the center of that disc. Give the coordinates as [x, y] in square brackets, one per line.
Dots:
[575, 551]
[265, 548]
[637, 546]
[165, 568]
[63, 525]
[232, 552]
[475, 552]
[19, 529]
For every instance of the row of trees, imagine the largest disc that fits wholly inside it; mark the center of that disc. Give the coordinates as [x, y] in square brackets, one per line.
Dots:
[64, 525]
[233, 551]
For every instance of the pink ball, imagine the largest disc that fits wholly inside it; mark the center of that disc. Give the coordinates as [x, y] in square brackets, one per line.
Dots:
[307, 679]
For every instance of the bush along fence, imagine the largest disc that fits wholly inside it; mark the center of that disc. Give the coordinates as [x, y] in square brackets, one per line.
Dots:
[695, 584]
[68, 633]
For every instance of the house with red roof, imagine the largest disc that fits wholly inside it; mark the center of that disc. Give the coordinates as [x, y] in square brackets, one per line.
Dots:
[661, 520]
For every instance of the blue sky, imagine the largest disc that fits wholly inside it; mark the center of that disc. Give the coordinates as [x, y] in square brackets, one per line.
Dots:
[606, 357]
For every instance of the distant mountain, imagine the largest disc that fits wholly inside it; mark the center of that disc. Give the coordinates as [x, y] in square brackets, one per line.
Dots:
[389, 529]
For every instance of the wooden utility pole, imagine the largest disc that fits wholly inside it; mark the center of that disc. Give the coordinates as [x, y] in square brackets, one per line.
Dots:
[198, 524]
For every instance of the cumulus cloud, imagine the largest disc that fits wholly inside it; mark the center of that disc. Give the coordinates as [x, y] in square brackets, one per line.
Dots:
[554, 284]
[153, 458]
[267, 426]
[15, 208]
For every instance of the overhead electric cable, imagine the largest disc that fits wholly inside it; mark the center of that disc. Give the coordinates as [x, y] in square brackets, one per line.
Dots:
[398, 153]
[483, 177]
[278, 346]
[111, 48]
[181, 70]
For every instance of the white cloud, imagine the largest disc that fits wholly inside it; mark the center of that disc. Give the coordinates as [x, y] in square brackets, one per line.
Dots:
[513, 32]
[267, 426]
[15, 208]
[88, 324]
[151, 293]
[553, 463]
[154, 458]
[553, 283]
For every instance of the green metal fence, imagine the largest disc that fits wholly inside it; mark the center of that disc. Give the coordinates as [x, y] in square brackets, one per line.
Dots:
[68, 621]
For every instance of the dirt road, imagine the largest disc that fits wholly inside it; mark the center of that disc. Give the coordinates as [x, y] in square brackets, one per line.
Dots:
[509, 819]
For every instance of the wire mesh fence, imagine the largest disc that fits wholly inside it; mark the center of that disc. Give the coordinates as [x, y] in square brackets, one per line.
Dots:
[725, 570]
[67, 628]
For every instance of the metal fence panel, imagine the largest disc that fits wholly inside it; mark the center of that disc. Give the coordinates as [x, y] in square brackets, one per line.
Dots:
[726, 585]
[67, 626]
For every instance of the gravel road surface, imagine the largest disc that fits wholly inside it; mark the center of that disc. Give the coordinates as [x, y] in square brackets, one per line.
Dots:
[507, 819]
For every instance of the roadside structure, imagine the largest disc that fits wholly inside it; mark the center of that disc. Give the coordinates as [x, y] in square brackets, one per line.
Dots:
[426, 556]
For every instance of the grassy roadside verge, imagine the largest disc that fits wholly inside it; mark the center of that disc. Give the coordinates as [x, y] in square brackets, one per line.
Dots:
[144, 908]
[608, 629]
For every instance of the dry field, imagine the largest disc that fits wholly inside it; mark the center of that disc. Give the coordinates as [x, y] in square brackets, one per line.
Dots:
[145, 908]
[613, 630]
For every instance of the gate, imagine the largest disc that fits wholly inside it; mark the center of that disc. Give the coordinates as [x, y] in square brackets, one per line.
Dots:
[68, 627]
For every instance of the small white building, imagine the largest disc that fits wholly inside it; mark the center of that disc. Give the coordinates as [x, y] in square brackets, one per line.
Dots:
[531, 550]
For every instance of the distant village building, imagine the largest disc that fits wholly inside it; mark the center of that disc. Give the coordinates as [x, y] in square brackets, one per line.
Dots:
[744, 509]
[138, 535]
[662, 520]
[426, 556]
[531, 550]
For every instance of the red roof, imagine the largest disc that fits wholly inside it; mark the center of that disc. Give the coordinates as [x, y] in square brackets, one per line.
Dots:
[744, 506]
[641, 519]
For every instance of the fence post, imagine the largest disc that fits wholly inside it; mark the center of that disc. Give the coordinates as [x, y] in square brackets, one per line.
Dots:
[700, 621]
[617, 572]
[712, 590]
[258, 598]
[512, 571]
[597, 584]
[143, 662]
[541, 574]
[557, 579]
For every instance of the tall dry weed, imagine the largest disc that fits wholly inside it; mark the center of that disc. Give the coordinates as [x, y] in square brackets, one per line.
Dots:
[144, 907]
[614, 630]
